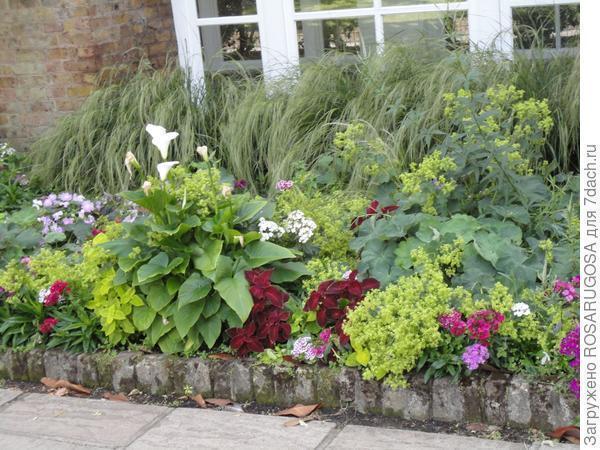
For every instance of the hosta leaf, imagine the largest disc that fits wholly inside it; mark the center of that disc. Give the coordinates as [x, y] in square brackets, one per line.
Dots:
[207, 261]
[193, 289]
[171, 343]
[210, 329]
[212, 304]
[143, 317]
[259, 253]
[186, 316]
[235, 292]
[286, 272]
[249, 210]
[158, 296]
[155, 267]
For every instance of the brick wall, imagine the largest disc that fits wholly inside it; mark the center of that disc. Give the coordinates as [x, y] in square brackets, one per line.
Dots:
[52, 50]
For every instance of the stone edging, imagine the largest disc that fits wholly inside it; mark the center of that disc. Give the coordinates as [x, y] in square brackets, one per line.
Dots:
[492, 398]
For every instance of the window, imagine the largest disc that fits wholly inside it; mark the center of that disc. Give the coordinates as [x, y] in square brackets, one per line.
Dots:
[274, 35]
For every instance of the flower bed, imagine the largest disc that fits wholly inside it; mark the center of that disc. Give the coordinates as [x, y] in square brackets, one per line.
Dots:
[465, 262]
[492, 398]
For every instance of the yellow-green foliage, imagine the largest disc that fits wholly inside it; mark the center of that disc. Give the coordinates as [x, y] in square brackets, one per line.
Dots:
[333, 214]
[323, 269]
[200, 188]
[433, 169]
[396, 325]
[114, 305]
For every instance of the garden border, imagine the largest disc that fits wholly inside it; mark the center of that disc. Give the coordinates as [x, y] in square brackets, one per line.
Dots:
[491, 398]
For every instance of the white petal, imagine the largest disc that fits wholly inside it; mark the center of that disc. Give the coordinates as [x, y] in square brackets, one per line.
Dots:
[162, 143]
[155, 130]
[164, 168]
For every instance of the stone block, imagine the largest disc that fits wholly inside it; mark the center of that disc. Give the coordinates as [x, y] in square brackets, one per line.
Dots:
[60, 365]
[368, 396]
[412, 403]
[304, 385]
[495, 391]
[241, 381]
[153, 374]
[220, 376]
[474, 407]
[35, 365]
[448, 401]
[191, 373]
[518, 405]
[87, 371]
[262, 385]
[328, 385]
[123, 371]
[284, 383]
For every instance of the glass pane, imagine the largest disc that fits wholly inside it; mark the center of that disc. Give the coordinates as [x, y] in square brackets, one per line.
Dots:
[534, 27]
[221, 8]
[450, 28]
[319, 5]
[410, 2]
[228, 43]
[354, 36]
[569, 25]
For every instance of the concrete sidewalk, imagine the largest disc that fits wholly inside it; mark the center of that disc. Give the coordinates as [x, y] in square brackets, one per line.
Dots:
[32, 421]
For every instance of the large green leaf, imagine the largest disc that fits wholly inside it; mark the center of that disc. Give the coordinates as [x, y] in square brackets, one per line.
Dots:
[186, 316]
[196, 287]
[143, 317]
[158, 329]
[462, 226]
[119, 247]
[488, 245]
[259, 253]
[249, 210]
[171, 343]
[210, 329]
[155, 202]
[28, 238]
[235, 292]
[286, 272]
[212, 304]
[210, 252]
[403, 251]
[158, 296]
[153, 268]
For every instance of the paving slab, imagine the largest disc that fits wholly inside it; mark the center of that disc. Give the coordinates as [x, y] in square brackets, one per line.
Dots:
[193, 428]
[358, 437]
[6, 395]
[78, 420]
[14, 442]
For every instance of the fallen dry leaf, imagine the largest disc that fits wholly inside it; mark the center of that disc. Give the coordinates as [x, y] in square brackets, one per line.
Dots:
[120, 397]
[291, 359]
[60, 392]
[57, 384]
[221, 356]
[299, 410]
[569, 433]
[218, 401]
[199, 400]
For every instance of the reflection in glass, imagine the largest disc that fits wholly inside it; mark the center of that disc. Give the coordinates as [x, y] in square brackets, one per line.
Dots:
[223, 43]
[320, 5]
[451, 28]
[411, 2]
[221, 8]
[354, 36]
[569, 25]
[534, 27]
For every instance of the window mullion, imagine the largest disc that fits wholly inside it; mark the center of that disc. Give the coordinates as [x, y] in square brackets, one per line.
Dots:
[379, 33]
[189, 46]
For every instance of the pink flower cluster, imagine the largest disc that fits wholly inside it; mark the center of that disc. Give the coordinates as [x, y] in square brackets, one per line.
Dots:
[568, 289]
[475, 355]
[569, 346]
[453, 323]
[309, 350]
[48, 325]
[55, 293]
[284, 185]
[482, 324]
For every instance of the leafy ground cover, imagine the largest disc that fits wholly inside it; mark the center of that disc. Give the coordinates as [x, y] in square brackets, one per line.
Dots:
[465, 259]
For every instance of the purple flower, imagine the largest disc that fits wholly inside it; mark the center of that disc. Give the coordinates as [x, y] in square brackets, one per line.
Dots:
[25, 260]
[21, 179]
[68, 221]
[87, 206]
[65, 197]
[325, 335]
[48, 202]
[240, 184]
[569, 346]
[475, 355]
[574, 386]
[284, 185]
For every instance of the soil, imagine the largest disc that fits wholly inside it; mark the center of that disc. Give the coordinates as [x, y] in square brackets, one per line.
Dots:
[339, 416]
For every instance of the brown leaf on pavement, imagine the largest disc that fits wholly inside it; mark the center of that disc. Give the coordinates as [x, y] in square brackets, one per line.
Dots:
[199, 400]
[569, 433]
[299, 410]
[218, 401]
[120, 397]
[60, 392]
[297, 421]
[56, 384]
[221, 356]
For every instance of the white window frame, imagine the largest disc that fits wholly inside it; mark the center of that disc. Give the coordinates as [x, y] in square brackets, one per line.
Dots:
[490, 27]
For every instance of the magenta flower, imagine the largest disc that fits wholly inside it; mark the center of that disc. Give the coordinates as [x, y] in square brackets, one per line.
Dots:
[453, 323]
[284, 185]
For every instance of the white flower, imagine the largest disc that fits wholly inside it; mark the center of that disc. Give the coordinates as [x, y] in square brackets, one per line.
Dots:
[521, 309]
[164, 168]
[43, 294]
[146, 187]
[269, 229]
[346, 275]
[300, 226]
[545, 359]
[161, 139]
[226, 190]
[239, 240]
[203, 152]
[131, 162]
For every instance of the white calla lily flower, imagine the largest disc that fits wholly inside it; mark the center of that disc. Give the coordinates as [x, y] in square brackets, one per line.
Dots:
[146, 187]
[131, 162]
[164, 168]
[161, 139]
